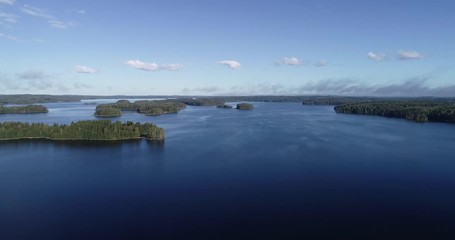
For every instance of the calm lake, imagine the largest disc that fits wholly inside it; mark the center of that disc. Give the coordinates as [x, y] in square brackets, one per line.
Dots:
[283, 170]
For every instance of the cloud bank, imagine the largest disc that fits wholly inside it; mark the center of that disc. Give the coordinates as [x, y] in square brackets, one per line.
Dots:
[37, 81]
[232, 64]
[152, 67]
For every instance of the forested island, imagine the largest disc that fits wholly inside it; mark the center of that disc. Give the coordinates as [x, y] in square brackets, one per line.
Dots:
[149, 108]
[108, 112]
[245, 106]
[417, 110]
[97, 130]
[29, 109]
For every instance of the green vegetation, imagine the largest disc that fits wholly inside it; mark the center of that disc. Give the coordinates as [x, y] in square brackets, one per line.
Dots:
[23, 109]
[417, 110]
[245, 106]
[224, 106]
[98, 130]
[108, 112]
[148, 108]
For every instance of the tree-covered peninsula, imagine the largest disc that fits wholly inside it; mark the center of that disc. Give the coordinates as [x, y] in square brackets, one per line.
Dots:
[97, 130]
[29, 109]
[245, 106]
[417, 110]
[149, 108]
[207, 101]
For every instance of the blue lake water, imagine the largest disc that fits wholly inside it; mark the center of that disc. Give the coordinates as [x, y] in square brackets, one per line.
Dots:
[281, 171]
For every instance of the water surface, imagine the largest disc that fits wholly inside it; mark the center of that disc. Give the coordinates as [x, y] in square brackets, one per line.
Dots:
[282, 170]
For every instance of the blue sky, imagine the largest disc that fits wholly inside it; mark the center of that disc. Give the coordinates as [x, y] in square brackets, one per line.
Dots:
[202, 47]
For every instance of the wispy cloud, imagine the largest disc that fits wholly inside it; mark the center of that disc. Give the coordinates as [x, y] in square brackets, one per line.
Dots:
[232, 64]
[7, 18]
[36, 12]
[85, 69]
[7, 2]
[152, 67]
[43, 13]
[7, 37]
[409, 55]
[60, 24]
[377, 56]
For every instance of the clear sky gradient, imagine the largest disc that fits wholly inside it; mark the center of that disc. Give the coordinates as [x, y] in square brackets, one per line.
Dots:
[208, 47]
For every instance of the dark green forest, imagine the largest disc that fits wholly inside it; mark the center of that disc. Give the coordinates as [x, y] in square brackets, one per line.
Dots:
[148, 108]
[99, 130]
[417, 110]
[23, 109]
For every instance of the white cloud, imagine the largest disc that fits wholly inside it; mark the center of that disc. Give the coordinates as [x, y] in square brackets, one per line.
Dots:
[9, 2]
[81, 11]
[377, 56]
[409, 55]
[153, 67]
[85, 69]
[230, 63]
[291, 61]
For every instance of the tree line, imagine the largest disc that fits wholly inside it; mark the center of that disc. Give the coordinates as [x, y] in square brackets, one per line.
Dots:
[23, 109]
[83, 130]
[417, 110]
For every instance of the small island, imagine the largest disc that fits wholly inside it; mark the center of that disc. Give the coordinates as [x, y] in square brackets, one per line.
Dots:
[224, 106]
[245, 106]
[149, 108]
[96, 130]
[29, 109]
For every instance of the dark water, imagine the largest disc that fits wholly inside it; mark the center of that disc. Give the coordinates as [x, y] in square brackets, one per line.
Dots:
[281, 171]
